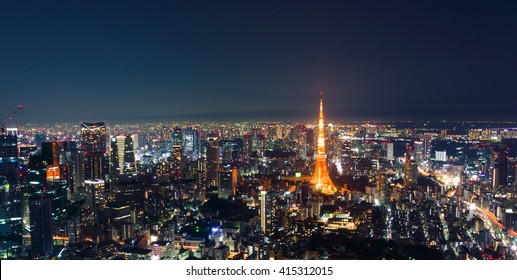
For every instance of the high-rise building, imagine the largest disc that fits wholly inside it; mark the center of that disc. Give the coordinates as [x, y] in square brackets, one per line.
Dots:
[320, 178]
[191, 143]
[122, 155]
[93, 143]
[96, 197]
[9, 157]
[177, 136]
[77, 170]
[230, 150]
[311, 142]
[302, 148]
[419, 151]
[248, 146]
[225, 181]
[264, 211]
[74, 160]
[426, 139]
[93, 137]
[96, 166]
[235, 180]
[500, 164]
[390, 151]
[41, 225]
[39, 138]
[410, 170]
[51, 152]
[201, 171]
[213, 161]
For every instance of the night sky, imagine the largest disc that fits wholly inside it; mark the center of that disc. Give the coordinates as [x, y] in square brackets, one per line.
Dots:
[124, 61]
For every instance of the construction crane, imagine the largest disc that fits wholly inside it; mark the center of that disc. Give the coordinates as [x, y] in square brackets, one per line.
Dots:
[9, 118]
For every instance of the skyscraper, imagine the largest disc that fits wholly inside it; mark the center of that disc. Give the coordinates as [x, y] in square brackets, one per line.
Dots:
[500, 165]
[176, 158]
[263, 211]
[93, 137]
[419, 151]
[225, 184]
[389, 151]
[93, 142]
[9, 157]
[191, 143]
[320, 178]
[248, 146]
[50, 152]
[122, 155]
[410, 170]
[40, 224]
[213, 161]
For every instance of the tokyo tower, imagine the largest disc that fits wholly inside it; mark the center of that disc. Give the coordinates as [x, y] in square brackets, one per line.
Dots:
[320, 178]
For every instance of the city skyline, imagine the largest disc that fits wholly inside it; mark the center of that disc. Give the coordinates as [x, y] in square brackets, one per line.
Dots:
[190, 130]
[258, 191]
[227, 61]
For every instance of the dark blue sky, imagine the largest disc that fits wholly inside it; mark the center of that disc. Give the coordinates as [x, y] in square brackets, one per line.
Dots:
[228, 60]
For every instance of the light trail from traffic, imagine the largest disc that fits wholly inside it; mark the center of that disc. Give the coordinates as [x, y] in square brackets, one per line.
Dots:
[494, 219]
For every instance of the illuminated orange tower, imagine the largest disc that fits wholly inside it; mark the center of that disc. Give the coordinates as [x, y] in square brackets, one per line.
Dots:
[320, 177]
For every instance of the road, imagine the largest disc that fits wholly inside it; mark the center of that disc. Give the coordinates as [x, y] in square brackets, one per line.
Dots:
[494, 220]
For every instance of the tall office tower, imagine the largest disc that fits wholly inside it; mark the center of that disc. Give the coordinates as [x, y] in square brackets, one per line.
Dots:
[248, 146]
[74, 160]
[191, 143]
[230, 150]
[41, 225]
[36, 174]
[261, 145]
[51, 152]
[390, 151]
[225, 184]
[213, 161]
[93, 143]
[426, 139]
[76, 173]
[226, 156]
[419, 151]
[235, 180]
[320, 178]
[264, 217]
[500, 162]
[302, 148]
[9, 158]
[96, 166]
[410, 170]
[201, 172]
[311, 142]
[96, 197]
[39, 139]
[134, 138]
[122, 155]
[407, 168]
[177, 136]
[176, 159]
[93, 137]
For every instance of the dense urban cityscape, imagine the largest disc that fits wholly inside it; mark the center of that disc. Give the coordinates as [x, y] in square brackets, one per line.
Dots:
[258, 138]
[259, 190]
